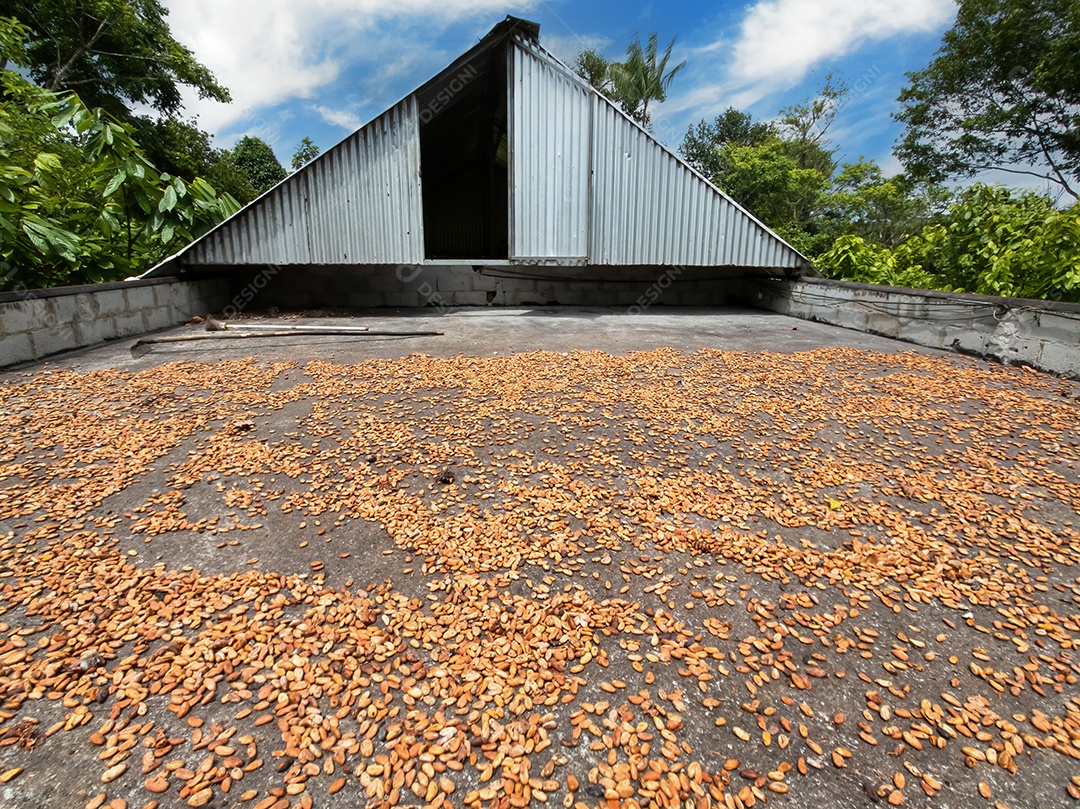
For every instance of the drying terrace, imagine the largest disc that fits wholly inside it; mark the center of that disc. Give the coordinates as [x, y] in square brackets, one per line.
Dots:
[549, 557]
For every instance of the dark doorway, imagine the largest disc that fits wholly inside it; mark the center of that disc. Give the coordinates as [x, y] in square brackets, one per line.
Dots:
[463, 160]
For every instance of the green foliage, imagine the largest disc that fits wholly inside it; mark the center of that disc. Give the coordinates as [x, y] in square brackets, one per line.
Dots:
[1000, 243]
[254, 157]
[803, 126]
[305, 152]
[223, 173]
[992, 242]
[175, 145]
[643, 77]
[595, 69]
[79, 200]
[115, 54]
[180, 148]
[635, 83]
[1002, 93]
[781, 174]
[853, 258]
[702, 144]
[885, 211]
[769, 182]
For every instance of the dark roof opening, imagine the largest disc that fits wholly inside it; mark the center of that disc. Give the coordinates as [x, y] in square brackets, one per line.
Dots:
[463, 160]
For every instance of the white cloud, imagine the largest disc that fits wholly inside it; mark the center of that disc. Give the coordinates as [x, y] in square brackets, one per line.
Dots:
[343, 118]
[781, 40]
[273, 51]
[565, 48]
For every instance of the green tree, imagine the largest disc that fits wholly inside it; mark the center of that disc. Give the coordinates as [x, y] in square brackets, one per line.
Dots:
[1000, 242]
[254, 157]
[702, 144]
[643, 77]
[1002, 93]
[115, 54]
[804, 126]
[79, 200]
[305, 152]
[768, 181]
[853, 258]
[228, 178]
[180, 148]
[175, 145]
[595, 69]
[781, 174]
[635, 83]
[883, 210]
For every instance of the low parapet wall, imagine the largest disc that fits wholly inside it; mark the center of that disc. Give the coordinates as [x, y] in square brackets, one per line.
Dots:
[1041, 334]
[40, 322]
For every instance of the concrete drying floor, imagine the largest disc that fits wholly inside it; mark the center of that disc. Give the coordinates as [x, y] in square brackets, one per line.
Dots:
[550, 557]
[489, 332]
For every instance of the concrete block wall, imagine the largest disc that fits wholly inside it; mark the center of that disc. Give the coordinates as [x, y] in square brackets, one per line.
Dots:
[1041, 334]
[411, 286]
[37, 323]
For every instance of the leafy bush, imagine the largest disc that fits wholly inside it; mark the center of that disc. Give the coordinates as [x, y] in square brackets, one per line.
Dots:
[853, 258]
[992, 242]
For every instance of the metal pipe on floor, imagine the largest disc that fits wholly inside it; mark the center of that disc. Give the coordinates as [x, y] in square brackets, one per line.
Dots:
[219, 325]
[145, 343]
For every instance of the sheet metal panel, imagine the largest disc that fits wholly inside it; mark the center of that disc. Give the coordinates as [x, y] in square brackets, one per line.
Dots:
[648, 207]
[550, 145]
[587, 185]
[359, 203]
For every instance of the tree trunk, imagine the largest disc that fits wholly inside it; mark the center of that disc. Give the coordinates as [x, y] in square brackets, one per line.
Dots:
[56, 82]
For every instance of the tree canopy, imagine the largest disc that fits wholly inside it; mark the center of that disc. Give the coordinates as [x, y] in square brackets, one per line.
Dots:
[635, 83]
[1002, 93]
[768, 180]
[643, 77]
[884, 210]
[115, 54]
[254, 157]
[991, 241]
[781, 172]
[181, 148]
[305, 152]
[701, 147]
[79, 200]
[805, 125]
[120, 56]
[595, 68]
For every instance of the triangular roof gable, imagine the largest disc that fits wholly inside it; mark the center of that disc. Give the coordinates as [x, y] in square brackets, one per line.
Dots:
[360, 202]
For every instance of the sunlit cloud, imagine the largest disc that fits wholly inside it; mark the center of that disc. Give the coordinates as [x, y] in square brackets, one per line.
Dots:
[277, 51]
[779, 42]
[343, 118]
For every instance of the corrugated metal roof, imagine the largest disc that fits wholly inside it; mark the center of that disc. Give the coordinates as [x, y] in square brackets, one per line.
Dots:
[359, 203]
[650, 208]
[370, 192]
[642, 204]
[550, 136]
[587, 185]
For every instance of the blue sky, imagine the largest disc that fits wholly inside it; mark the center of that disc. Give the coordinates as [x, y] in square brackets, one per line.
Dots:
[323, 68]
